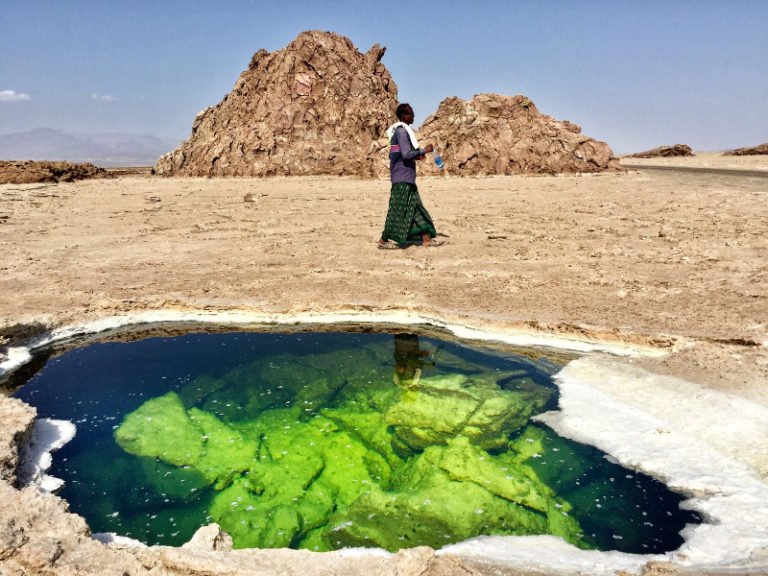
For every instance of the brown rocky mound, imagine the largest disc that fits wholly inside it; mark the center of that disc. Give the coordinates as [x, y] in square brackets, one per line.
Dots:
[664, 152]
[320, 107]
[317, 106]
[495, 134]
[28, 172]
[754, 151]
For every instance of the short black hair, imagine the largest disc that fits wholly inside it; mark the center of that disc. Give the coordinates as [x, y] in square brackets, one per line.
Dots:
[401, 109]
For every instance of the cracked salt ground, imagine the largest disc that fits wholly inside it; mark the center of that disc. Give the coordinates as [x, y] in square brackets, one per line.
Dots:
[261, 432]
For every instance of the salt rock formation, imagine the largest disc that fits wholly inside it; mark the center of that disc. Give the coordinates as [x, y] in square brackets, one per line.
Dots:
[28, 172]
[496, 134]
[318, 106]
[665, 152]
[753, 151]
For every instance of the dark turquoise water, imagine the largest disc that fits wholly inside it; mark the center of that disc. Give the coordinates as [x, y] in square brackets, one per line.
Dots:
[326, 440]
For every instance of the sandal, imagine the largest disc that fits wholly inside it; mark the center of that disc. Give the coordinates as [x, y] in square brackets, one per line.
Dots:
[434, 243]
[388, 246]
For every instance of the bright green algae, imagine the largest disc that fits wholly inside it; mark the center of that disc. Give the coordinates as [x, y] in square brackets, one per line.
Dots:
[329, 453]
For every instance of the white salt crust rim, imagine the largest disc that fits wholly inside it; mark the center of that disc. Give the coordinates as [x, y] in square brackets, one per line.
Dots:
[47, 436]
[708, 445]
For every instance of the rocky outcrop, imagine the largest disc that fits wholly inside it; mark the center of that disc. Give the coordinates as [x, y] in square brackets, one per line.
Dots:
[753, 151]
[318, 106]
[665, 152]
[17, 418]
[495, 134]
[29, 172]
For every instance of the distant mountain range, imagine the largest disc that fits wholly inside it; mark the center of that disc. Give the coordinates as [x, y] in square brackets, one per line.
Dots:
[113, 149]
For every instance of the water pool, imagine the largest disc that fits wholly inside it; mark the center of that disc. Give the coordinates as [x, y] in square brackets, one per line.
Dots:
[334, 439]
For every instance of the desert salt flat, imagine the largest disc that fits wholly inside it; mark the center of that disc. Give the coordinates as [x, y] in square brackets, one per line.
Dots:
[613, 266]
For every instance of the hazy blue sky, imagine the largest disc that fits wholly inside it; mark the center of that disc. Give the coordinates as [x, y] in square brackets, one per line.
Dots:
[636, 74]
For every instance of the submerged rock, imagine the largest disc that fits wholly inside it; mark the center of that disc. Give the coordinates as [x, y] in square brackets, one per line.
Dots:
[226, 452]
[444, 407]
[162, 428]
[447, 494]
[318, 380]
[180, 483]
[372, 430]
[349, 461]
[305, 471]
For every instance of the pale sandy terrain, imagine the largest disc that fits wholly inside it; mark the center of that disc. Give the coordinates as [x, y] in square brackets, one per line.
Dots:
[675, 261]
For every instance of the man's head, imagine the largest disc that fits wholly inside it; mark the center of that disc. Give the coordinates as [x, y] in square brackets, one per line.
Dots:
[404, 113]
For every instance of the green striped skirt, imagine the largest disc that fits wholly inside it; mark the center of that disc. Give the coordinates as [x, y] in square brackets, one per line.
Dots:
[407, 219]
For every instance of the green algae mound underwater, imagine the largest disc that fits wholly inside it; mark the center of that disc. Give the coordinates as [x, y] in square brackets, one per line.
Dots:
[325, 453]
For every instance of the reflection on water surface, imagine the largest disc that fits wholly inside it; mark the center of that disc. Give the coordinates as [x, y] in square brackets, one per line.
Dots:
[332, 440]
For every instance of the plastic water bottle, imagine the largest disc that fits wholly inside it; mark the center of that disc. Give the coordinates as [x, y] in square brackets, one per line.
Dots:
[438, 160]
